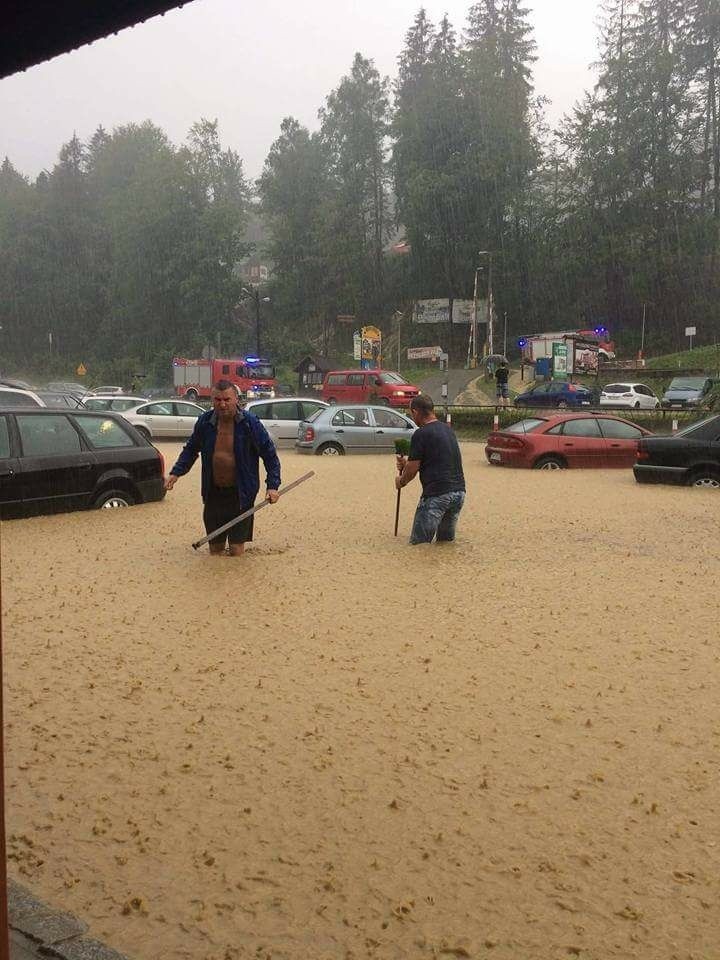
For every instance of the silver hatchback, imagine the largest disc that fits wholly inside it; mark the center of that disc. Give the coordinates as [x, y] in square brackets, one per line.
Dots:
[353, 428]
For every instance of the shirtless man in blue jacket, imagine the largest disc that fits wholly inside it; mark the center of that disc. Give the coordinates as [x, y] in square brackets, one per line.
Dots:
[230, 443]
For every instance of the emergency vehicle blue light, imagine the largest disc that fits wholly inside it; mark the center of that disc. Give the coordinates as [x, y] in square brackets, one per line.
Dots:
[522, 342]
[252, 359]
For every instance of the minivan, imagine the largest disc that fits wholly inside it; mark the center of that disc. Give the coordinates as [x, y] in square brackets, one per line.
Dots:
[368, 386]
[688, 392]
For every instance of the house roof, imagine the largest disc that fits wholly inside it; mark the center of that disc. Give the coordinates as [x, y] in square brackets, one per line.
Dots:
[37, 30]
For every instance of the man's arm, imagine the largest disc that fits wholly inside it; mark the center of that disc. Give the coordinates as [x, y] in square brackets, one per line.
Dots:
[408, 473]
[409, 466]
[188, 456]
[266, 449]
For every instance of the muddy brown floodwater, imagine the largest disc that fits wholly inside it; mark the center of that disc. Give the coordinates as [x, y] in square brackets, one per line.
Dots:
[343, 747]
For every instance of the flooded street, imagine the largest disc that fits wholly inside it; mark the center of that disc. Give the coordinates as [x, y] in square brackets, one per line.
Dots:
[339, 746]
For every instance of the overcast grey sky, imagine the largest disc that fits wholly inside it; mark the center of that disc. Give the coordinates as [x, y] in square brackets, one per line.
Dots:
[250, 65]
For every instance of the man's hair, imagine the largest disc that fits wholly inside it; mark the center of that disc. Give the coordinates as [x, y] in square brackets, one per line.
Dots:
[224, 385]
[423, 404]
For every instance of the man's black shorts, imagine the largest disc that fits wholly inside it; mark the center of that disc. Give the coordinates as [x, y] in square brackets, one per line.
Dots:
[221, 506]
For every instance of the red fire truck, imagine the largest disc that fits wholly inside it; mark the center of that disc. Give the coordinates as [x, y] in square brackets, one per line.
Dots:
[252, 376]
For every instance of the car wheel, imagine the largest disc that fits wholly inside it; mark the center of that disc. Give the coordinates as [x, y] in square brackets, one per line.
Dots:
[637, 404]
[144, 432]
[332, 400]
[657, 404]
[114, 499]
[705, 478]
[562, 405]
[191, 394]
[330, 450]
[549, 463]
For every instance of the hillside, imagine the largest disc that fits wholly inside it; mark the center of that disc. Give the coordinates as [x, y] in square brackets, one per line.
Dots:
[700, 358]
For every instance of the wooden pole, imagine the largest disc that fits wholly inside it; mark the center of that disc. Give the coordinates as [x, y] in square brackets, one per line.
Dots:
[4, 928]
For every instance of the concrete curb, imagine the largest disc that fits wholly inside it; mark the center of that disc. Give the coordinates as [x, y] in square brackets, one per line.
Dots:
[36, 930]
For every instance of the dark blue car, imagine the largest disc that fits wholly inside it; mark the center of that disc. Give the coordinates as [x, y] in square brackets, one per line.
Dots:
[555, 393]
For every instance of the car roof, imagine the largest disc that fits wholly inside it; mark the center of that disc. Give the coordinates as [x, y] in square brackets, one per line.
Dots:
[251, 403]
[64, 411]
[586, 415]
[118, 396]
[363, 406]
[20, 390]
[355, 370]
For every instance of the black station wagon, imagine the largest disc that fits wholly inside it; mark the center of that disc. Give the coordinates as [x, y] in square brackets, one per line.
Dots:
[57, 460]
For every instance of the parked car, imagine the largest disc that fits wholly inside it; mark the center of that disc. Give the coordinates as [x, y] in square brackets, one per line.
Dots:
[51, 399]
[555, 393]
[112, 402]
[635, 395]
[56, 460]
[566, 440]
[105, 391]
[688, 392]
[164, 419]
[691, 456]
[281, 418]
[352, 428]
[368, 386]
[11, 397]
[64, 386]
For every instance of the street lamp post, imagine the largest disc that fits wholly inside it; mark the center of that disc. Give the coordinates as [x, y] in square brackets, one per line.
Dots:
[254, 295]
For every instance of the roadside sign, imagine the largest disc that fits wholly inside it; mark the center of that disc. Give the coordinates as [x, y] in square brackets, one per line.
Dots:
[424, 353]
[81, 371]
[690, 331]
[560, 361]
[357, 346]
[346, 318]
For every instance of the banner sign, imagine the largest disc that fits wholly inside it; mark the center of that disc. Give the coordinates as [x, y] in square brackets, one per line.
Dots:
[424, 353]
[438, 311]
[560, 361]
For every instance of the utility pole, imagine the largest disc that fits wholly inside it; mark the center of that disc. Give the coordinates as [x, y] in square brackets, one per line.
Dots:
[489, 341]
[490, 310]
[505, 336]
[398, 317]
[642, 334]
[474, 332]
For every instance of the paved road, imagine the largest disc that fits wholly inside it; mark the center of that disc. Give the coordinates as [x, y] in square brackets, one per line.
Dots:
[457, 381]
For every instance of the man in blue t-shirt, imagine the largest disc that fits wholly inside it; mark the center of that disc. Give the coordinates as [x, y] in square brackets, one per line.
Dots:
[435, 454]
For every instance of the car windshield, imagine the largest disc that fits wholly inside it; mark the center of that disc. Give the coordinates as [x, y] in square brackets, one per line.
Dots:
[392, 378]
[524, 426]
[261, 371]
[687, 383]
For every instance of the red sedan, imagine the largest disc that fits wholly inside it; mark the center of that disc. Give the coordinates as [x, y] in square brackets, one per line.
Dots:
[566, 440]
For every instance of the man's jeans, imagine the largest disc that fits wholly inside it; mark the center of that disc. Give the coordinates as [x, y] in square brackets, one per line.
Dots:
[437, 517]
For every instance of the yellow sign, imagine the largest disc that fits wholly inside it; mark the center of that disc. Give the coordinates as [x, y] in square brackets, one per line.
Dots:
[81, 371]
[371, 339]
